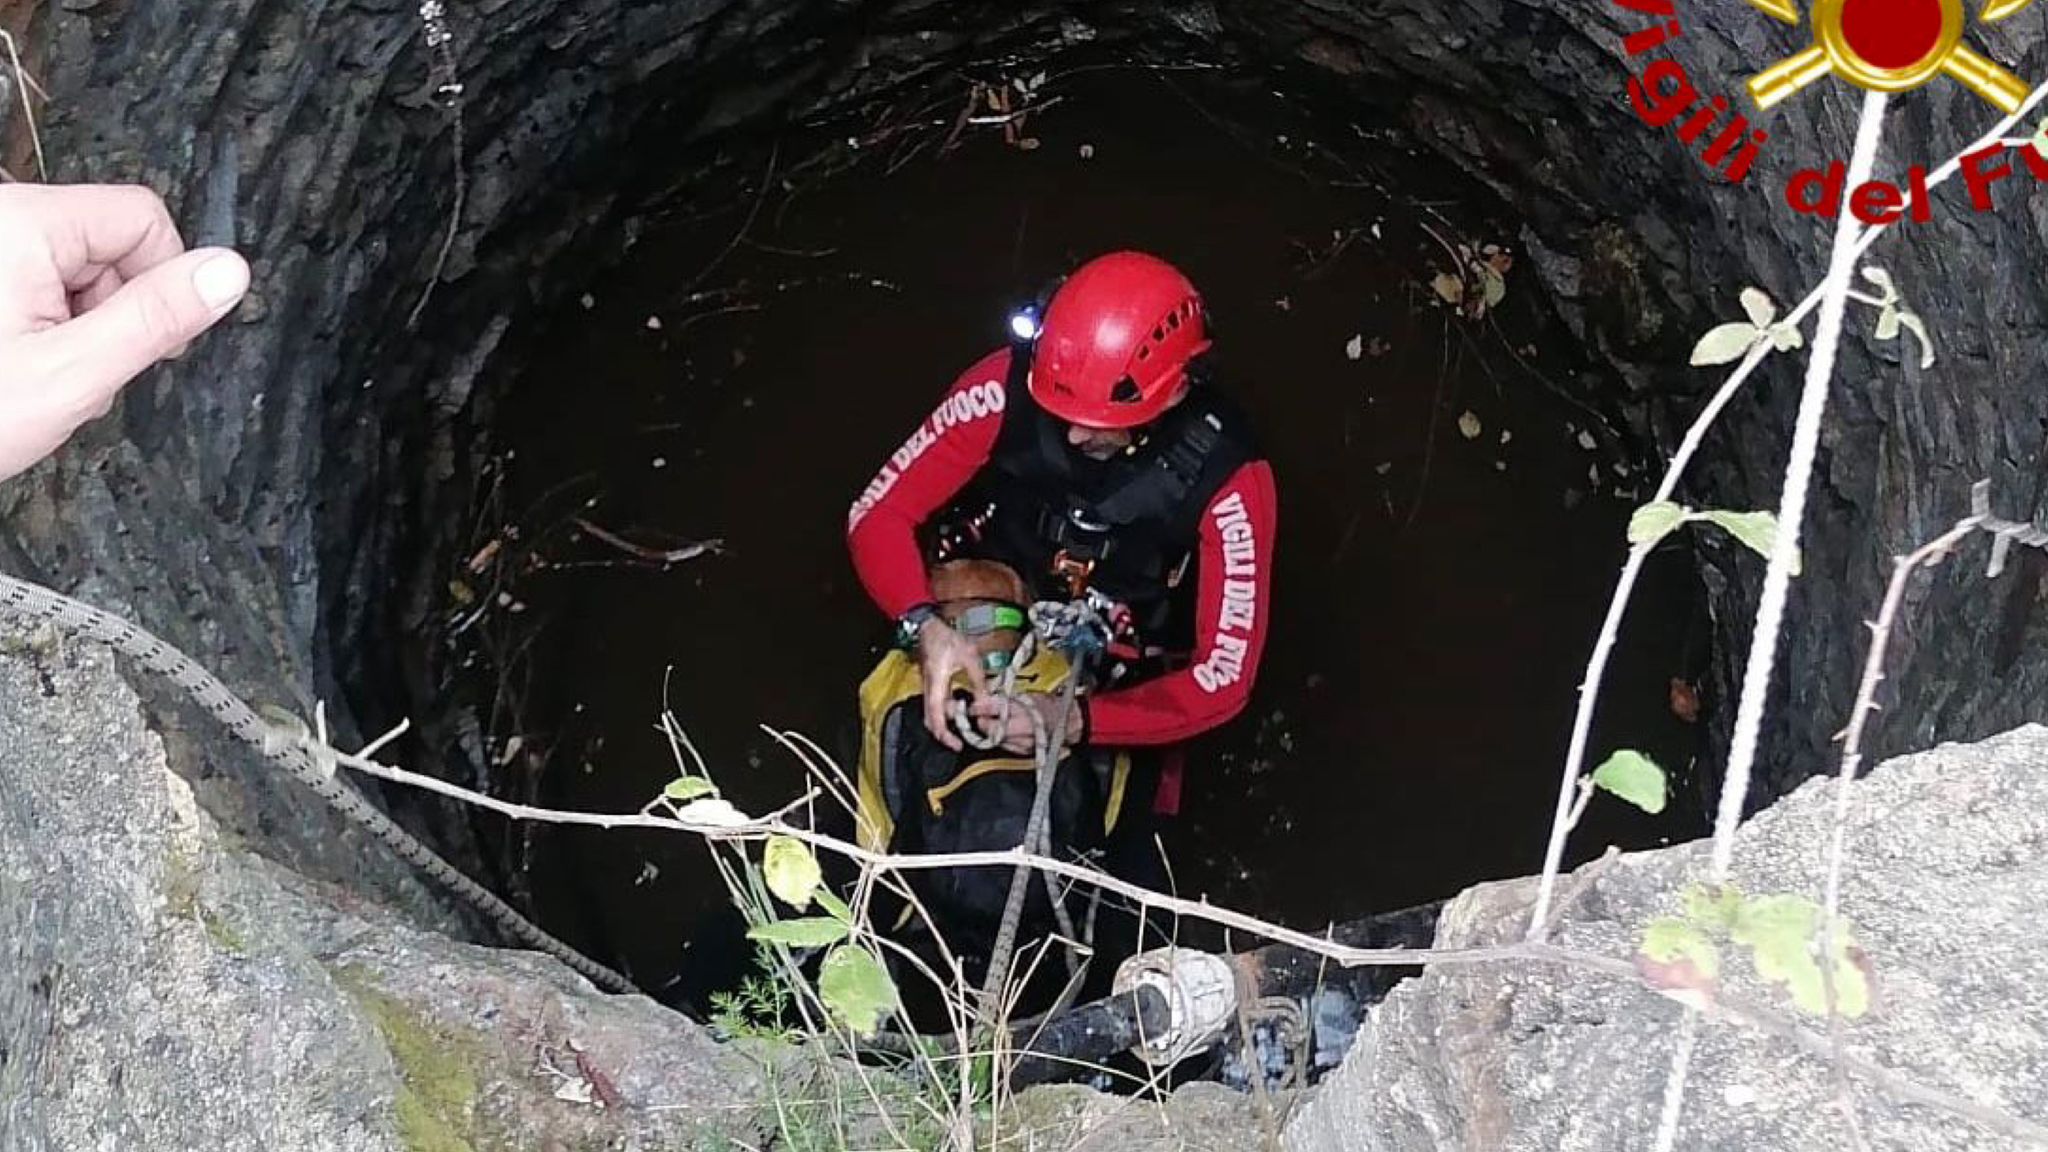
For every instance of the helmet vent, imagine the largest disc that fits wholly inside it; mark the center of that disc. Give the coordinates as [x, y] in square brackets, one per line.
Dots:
[1126, 391]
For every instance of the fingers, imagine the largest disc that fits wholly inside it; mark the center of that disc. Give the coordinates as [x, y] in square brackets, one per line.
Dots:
[59, 240]
[97, 291]
[79, 366]
[124, 227]
[937, 694]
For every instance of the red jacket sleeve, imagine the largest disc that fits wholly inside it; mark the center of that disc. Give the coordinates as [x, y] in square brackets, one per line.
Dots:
[919, 478]
[1232, 604]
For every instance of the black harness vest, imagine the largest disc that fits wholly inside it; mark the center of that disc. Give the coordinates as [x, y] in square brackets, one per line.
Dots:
[1127, 527]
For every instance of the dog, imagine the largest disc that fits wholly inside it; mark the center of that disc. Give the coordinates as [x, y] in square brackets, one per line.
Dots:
[918, 796]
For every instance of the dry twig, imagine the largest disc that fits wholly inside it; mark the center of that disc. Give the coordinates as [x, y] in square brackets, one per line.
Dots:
[1695, 435]
[1527, 951]
[25, 84]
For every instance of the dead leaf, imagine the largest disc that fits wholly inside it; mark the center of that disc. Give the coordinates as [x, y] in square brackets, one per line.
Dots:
[1685, 701]
[1028, 143]
[484, 556]
[1450, 289]
[1468, 425]
[1680, 979]
[600, 1084]
[461, 592]
[574, 1091]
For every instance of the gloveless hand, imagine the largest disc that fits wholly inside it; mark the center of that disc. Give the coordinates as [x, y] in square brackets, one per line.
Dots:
[942, 654]
[95, 287]
[1018, 738]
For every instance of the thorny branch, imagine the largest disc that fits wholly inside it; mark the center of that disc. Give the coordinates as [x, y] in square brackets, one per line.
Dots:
[725, 824]
[1770, 611]
[2004, 534]
[1624, 587]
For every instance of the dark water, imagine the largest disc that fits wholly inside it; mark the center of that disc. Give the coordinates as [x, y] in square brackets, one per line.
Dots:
[1435, 595]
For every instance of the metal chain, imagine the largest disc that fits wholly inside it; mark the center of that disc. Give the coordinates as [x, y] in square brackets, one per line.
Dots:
[39, 605]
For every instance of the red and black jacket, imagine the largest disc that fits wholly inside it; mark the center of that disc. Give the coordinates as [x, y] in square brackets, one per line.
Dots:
[1180, 530]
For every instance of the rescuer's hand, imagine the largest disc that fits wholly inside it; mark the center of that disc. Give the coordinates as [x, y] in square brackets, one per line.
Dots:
[95, 286]
[942, 654]
[1018, 738]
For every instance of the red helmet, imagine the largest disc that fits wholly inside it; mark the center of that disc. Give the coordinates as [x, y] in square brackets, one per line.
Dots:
[1114, 347]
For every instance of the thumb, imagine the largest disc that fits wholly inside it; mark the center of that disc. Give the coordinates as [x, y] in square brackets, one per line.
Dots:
[150, 318]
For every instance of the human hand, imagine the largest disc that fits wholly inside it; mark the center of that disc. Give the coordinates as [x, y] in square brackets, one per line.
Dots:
[943, 653]
[1018, 737]
[95, 287]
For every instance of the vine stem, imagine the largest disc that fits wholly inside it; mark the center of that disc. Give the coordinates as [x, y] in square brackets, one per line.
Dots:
[1624, 588]
[1726, 1005]
[1770, 613]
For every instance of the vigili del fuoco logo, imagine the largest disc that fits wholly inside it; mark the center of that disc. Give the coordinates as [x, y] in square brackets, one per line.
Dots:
[1878, 45]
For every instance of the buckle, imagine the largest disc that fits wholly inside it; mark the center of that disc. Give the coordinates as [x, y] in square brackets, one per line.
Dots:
[1074, 572]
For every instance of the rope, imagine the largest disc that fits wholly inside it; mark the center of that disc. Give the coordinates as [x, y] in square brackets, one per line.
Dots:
[288, 749]
[1035, 838]
[1076, 628]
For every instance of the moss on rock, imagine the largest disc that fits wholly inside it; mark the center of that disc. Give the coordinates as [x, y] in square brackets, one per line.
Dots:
[437, 1093]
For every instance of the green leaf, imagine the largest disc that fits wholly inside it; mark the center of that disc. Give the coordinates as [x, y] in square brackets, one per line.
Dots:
[807, 932]
[1888, 323]
[833, 905]
[1781, 932]
[1776, 929]
[1654, 521]
[1669, 940]
[1493, 285]
[1635, 778]
[791, 871]
[1785, 336]
[1725, 344]
[1713, 908]
[1758, 307]
[688, 788]
[1759, 530]
[1883, 280]
[856, 988]
[2040, 140]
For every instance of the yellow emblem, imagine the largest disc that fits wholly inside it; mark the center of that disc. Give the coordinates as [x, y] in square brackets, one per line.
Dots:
[1888, 46]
